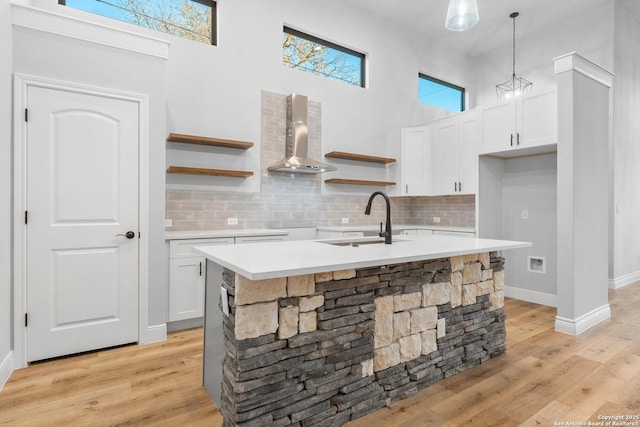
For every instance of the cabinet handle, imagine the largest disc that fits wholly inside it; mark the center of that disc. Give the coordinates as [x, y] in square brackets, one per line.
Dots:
[406, 188]
[460, 186]
[512, 140]
[201, 268]
[518, 138]
[455, 187]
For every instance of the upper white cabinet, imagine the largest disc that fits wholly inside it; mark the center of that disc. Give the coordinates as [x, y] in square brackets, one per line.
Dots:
[415, 161]
[453, 166]
[519, 124]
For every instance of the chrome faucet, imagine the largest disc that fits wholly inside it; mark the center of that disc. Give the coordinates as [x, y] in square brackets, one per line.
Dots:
[387, 230]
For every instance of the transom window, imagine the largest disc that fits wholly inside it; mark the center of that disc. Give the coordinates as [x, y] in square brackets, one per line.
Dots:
[440, 94]
[190, 19]
[320, 57]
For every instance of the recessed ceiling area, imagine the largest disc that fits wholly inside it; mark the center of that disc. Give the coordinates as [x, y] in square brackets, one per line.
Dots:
[426, 18]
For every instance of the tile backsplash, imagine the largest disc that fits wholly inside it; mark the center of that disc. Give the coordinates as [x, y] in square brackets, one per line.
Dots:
[295, 200]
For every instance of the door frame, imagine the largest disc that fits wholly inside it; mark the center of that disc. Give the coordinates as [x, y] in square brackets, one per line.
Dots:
[20, 86]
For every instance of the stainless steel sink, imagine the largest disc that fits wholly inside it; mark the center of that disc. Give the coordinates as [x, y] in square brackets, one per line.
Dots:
[358, 242]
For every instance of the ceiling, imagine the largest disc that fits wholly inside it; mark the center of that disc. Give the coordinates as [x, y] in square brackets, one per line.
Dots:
[426, 17]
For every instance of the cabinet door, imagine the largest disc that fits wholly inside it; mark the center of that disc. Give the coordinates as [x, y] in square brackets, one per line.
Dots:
[258, 239]
[498, 126]
[445, 157]
[537, 120]
[414, 161]
[186, 288]
[468, 180]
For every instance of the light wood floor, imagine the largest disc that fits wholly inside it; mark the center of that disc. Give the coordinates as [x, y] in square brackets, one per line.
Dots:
[544, 377]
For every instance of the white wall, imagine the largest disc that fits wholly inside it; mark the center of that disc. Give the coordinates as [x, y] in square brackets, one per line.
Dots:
[215, 91]
[72, 60]
[625, 250]
[6, 295]
[530, 183]
[590, 34]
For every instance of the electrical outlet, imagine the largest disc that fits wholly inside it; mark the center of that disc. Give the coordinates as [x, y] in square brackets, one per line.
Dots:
[168, 223]
[232, 221]
[345, 220]
[524, 214]
[436, 219]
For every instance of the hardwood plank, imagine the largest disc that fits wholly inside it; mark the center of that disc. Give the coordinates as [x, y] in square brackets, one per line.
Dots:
[208, 172]
[359, 157]
[358, 182]
[213, 142]
[544, 377]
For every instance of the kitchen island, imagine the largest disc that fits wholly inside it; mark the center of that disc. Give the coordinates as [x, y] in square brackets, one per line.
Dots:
[322, 332]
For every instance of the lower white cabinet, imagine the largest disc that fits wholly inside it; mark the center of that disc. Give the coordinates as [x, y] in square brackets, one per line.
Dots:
[187, 272]
[186, 288]
[330, 234]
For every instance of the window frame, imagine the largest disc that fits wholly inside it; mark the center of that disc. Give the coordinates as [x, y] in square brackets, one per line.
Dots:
[436, 80]
[210, 3]
[326, 43]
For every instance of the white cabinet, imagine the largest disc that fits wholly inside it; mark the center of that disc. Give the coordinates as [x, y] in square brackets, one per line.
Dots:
[415, 160]
[453, 168]
[187, 271]
[334, 234]
[417, 231]
[454, 233]
[520, 123]
[257, 239]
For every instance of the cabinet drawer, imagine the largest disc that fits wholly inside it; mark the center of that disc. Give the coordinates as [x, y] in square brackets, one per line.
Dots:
[184, 248]
[254, 239]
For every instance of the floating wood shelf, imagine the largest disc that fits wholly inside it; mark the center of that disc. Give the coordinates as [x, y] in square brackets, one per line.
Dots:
[357, 182]
[208, 172]
[359, 157]
[212, 142]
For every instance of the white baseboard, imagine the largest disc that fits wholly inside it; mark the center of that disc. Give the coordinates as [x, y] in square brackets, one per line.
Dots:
[6, 368]
[584, 322]
[536, 297]
[625, 280]
[185, 324]
[155, 333]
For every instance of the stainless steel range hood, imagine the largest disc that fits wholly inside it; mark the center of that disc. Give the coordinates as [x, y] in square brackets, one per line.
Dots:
[297, 142]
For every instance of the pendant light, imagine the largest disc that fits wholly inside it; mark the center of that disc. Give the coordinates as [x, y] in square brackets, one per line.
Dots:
[462, 15]
[515, 86]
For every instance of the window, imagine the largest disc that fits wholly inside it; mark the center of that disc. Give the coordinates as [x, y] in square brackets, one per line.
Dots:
[437, 93]
[191, 19]
[317, 56]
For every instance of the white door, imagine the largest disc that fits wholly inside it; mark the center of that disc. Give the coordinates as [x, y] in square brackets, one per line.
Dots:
[82, 199]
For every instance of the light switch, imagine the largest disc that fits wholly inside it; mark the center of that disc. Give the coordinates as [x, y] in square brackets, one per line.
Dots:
[524, 214]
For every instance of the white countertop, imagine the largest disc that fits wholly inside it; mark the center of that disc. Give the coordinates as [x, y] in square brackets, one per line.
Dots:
[208, 234]
[258, 261]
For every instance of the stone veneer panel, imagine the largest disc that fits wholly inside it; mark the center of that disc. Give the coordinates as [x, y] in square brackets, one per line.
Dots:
[337, 354]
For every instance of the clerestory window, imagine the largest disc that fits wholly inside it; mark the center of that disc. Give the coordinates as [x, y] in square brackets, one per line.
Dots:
[316, 56]
[190, 19]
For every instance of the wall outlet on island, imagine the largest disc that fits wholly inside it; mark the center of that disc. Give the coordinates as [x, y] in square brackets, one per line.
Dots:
[436, 219]
[345, 220]
[232, 221]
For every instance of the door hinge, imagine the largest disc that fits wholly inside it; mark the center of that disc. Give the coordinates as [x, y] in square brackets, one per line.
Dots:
[26, 114]
[26, 319]
[26, 217]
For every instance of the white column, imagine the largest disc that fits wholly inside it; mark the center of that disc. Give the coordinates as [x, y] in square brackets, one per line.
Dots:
[584, 121]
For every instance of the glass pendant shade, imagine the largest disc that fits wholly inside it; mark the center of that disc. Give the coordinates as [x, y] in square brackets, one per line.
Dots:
[515, 86]
[462, 15]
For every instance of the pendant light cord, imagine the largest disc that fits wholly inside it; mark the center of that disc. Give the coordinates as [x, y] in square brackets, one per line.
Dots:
[514, 47]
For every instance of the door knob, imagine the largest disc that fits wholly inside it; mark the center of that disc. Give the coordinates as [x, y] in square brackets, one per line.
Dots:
[128, 235]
